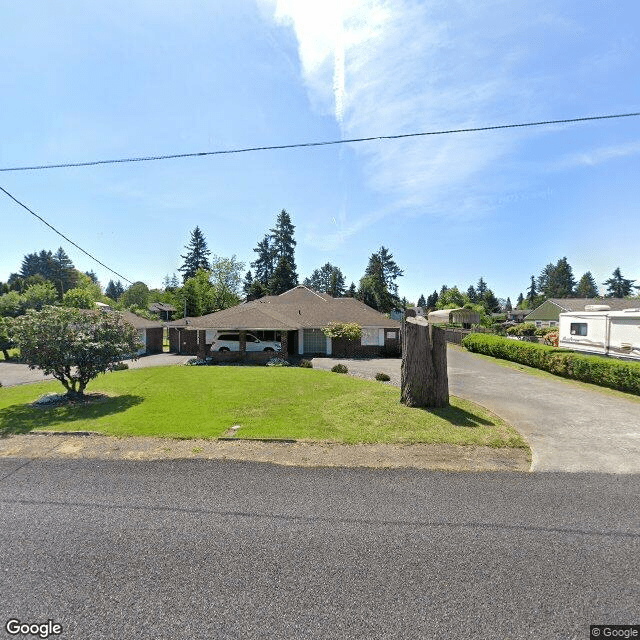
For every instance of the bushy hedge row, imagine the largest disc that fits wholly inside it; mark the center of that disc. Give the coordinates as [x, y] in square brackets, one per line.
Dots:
[617, 374]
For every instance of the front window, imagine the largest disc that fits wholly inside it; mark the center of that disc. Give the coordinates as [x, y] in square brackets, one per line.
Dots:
[578, 328]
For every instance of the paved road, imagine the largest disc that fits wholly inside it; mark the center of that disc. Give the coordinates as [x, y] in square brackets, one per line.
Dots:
[203, 549]
[12, 373]
[569, 428]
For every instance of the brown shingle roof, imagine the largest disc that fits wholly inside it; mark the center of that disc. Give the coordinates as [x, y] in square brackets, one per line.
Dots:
[295, 309]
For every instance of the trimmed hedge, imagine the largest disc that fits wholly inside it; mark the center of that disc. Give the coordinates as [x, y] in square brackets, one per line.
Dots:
[606, 372]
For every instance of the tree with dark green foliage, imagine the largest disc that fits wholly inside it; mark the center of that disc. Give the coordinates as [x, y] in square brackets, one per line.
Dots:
[246, 283]
[432, 300]
[197, 256]
[327, 279]
[520, 301]
[92, 275]
[137, 295]
[391, 271]
[472, 294]
[450, 299]
[351, 291]
[532, 293]
[556, 280]
[587, 287]
[481, 288]
[264, 263]
[490, 302]
[421, 301]
[618, 286]
[283, 278]
[374, 288]
[443, 290]
[114, 290]
[508, 306]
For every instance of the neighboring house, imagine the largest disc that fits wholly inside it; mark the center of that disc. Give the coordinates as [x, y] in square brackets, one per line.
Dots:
[150, 332]
[295, 318]
[548, 313]
[517, 315]
[165, 311]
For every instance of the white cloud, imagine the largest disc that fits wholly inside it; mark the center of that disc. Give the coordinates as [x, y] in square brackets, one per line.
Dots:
[598, 156]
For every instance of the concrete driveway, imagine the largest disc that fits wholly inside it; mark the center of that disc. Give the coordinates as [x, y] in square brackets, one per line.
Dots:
[12, 374]
[568, 427]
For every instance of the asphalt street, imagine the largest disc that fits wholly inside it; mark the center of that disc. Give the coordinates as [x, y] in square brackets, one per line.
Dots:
[204, 549]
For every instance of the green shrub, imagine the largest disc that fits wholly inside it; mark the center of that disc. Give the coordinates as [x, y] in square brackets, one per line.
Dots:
[524, 329]
[119, 366]
[339, 368]
[306, 364]
[349, 330]
[383, 377]
[606, 372]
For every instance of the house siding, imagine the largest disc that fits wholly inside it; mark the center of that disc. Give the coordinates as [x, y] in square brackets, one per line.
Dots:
[183, 341]
[355, 349]
[154, 340]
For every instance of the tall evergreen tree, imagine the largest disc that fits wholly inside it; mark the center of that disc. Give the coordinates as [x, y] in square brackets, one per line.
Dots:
[373, 289]
[351, 291]
[508, 306]
[421, 301]
[587, 287]
[481, 288]
[618, 286]
[264, 264]
[520, 301]
[443, 290]
[197, 256]
[283, 278]
[532, 292]
[563, 280]
[246, 283]
[432, 300]
[92, 275]
[491, 303]
[110, 290]
[391, 271]
[63, 273]
[472, 294]
[284, 249]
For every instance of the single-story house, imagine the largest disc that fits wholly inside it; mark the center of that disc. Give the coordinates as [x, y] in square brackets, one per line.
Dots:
[164, 310]
[517, 315]
[150, 332]
[548, 313]
[295, 318]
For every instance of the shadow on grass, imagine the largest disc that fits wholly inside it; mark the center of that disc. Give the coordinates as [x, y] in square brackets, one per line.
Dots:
[459, 417]
[22, 418]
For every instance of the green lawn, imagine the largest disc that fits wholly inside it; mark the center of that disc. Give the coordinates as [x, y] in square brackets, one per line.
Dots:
[204, 402]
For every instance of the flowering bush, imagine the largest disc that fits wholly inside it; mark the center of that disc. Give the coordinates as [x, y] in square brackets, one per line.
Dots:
[349, 330]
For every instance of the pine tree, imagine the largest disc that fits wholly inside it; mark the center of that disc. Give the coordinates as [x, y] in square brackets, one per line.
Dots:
[197, 256]
[532, 293]
[373, 289]
[421, 301]
[587, 287]
[481, 289]
[264, 263]
[390, 270]
[327, 279]
[246, 283]
[491, 303]
[92, 275]
[351, 291]
[618, 286]
[443, 290]
[63, 273]
[283, 278]
[508, 306]
[564, 283]
[520, 301]
[111, 291]
[472, 294]
[432, 300]
[284, 249]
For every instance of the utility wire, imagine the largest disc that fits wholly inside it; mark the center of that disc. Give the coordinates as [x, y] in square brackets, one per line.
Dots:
[173, 156]
[24, 206]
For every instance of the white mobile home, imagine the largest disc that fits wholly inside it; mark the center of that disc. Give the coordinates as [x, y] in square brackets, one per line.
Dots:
[600, 331]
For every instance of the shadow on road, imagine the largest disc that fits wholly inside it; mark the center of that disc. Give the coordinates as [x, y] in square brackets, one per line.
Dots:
[22, 418]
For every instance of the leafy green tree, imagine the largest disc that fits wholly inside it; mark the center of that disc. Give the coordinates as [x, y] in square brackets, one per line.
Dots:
[78, 299]
[327, 279]
[450, 299]
[91, 274]
[490, 302]
[6, 342]
[421, 301]
[38, 296]
[508, 306]
[226, 279]
[481, 288]
[73, 345]
[137, 295]
[520, 301]
[63, 273]
[114, 290]
[11, 304]
[556, 280]
[443, 290]
[432, 300]
[197, 256]
[246, 283]
[618, 286]
[351, 291]
[472, 294]
[198, 294]
[373, 292]
[587, 287]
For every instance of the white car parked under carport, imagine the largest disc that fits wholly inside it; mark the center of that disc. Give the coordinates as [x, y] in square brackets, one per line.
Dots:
[230, 341]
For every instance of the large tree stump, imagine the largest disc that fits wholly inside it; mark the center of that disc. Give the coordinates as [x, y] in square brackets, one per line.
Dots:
[423, 380]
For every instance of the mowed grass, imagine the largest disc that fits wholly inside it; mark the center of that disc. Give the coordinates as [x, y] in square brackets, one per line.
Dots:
[205, 402]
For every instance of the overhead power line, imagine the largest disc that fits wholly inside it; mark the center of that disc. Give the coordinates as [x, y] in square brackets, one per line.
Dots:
[33, 213]
[199, 154]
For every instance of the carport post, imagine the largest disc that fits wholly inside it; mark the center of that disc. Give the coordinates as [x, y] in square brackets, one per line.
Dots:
[202, 344]
[243, 343]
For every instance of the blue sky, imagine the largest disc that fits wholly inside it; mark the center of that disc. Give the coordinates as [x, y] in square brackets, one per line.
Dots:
[84, 81]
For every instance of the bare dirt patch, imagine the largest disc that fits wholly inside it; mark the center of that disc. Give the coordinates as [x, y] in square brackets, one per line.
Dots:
[306, 454]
